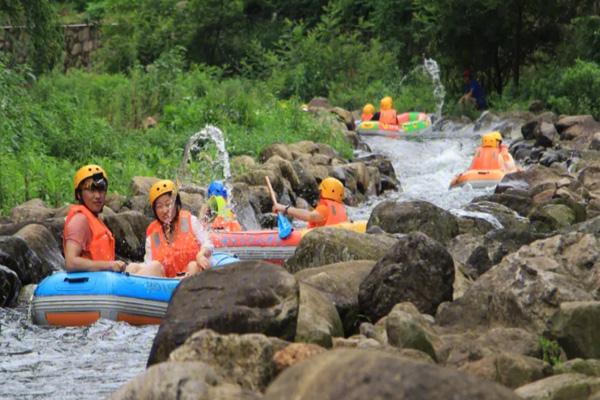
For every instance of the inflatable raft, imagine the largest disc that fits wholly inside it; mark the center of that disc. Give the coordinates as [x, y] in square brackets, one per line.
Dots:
[487, 169]
[81, 298]
[267, 245]
[409, 124]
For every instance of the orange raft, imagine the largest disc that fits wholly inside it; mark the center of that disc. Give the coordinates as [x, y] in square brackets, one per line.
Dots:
[266, 245]
[487, 169]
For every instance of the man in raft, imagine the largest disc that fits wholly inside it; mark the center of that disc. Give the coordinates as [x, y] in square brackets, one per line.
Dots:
[329, 211]
[88, 244]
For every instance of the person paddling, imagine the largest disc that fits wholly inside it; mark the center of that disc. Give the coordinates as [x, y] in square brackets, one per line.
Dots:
[88, 244]
[329, 211]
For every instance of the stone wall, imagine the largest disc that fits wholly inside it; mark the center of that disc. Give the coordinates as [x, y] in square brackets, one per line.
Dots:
[80, 40]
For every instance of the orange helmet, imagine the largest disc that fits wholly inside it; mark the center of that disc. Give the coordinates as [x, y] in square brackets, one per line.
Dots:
[386, 103]
[332, 189]
[159, 188]
[369, 108]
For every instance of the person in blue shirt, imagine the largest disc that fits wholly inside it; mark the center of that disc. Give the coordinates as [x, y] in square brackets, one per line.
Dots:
[473, 93]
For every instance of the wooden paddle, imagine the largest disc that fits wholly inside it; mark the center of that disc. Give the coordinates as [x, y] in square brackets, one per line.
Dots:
[283, 224]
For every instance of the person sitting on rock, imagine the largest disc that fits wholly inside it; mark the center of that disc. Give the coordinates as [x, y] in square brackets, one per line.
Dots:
[367, 112]
[217, 212]
[88, 244]
[509, 162]
[175, 239]
[329, 211]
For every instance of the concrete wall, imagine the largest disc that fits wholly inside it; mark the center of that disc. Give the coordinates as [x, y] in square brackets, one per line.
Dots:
[80, 41]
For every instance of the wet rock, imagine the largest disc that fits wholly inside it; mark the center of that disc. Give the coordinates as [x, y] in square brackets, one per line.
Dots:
[138, 222]
[340, 283]
[375, 374]
[576, 327]
[417, 269]
[506, 217]
[245, 360]
[470, 255]
[17, 256]
[325, 246]
[564, 386]
[127, 243]
[405, 217]
[509, 369]
[551, 217]
[247, 297]
[34, 210]
[10, 285]
[278, 149]
[407, 329]
[528, 286]
[517, 201]
[545, 135]
[182, 381]
[42, 242]
[295, 353]
[318, 320]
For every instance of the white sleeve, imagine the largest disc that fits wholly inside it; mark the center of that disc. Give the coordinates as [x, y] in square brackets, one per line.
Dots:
[201, 234]
[148, 254]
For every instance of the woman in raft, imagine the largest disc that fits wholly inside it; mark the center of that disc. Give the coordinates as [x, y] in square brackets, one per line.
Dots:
[175, 239]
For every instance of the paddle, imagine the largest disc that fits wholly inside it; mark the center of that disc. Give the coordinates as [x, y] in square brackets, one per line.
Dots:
[283, 224]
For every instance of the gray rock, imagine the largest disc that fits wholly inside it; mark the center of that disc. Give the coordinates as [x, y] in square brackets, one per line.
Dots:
[405, 217]
[325, 246]
[358, 374]
[318, 320]
[34, 210]
[42, 242]
[17, 256]
[246, 297]
[245, 360]
[576, 327]
[417, 269]
[10, 285]
[406, 329]
[559, 387]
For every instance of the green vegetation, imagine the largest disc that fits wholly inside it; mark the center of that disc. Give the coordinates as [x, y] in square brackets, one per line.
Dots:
[551, 351]
[247, 66]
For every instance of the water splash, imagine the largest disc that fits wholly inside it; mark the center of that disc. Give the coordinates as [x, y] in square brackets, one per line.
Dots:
[439, 92]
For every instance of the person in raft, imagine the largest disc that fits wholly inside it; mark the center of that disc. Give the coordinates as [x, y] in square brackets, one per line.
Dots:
[88, 244]
[386, 114]
[175, 240]
[367, 112]
[509, 162]
[216, 212]
[329, 211]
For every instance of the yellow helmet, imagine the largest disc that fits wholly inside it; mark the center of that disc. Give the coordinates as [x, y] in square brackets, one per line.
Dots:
[386, 103]
[496, 136]
[87, 171]
[369, 108]
[332, 189]
[159, 188]
[488, 141]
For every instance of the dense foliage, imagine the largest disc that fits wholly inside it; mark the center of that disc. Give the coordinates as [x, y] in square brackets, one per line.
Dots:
[247, 65]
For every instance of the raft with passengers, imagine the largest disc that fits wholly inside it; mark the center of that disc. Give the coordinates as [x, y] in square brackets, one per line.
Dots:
[96, 285]
[388, 123]
[489, 165]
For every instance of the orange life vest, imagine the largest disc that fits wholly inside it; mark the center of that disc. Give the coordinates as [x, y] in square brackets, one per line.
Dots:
[102, 244]
[336, 214]
[388, 117]
[174, 256]
[366, 117]
[509, 162]
[487, 158]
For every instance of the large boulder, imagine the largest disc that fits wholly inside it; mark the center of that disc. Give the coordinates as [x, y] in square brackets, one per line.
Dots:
[340, 283]
[509, 369]
[42, 242]
[330, 245]
[405, 217]
[246, 297]
[127, 242]
[276, 149]
[34, 210]
[318, 320]
[500, 215]
[245, 360]
[351, 374]
[182, 381]
[559, 387]
[140, 185]
[407, 329]
[527, 287]
[17, 256]
[417, 269]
